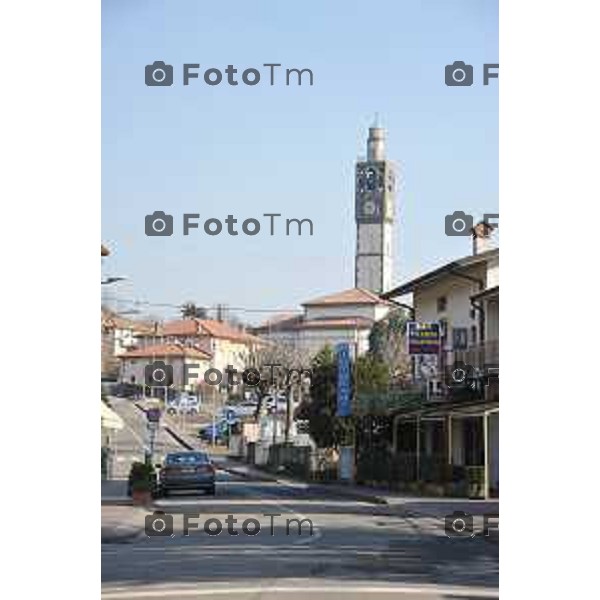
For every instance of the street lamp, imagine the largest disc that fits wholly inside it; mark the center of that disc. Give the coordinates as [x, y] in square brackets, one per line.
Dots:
[112, 279]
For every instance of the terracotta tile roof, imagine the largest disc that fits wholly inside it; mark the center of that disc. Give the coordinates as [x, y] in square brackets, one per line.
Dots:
[111, 320]
[351, 296]
[282, 324]
[337, 323]
[299, 323]
[187, 327]
[146, 328]
[207, 327]
[166, 350]
[222, 330]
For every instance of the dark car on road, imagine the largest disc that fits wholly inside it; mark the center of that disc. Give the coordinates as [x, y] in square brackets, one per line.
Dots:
[187, 471]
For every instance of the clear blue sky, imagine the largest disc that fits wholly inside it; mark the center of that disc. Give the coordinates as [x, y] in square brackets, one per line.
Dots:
[249, 150]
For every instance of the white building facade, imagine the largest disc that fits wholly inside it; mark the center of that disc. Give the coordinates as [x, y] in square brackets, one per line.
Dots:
[345, 317]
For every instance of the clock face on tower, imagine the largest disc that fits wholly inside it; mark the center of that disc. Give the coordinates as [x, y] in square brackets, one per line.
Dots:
[372, 183]
[370, 208]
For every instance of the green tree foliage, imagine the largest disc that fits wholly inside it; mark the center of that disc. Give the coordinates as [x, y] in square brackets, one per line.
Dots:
[192, 311]
[369, 374]
[320, 410]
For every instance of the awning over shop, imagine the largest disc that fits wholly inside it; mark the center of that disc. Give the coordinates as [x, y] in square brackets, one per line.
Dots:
[109, 418]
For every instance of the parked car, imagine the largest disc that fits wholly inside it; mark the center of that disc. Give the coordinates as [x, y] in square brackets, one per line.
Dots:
[189, 405]
[275, 403]
[186, 404]
[126, 390]
[172, 406]
[218, 431]
[245, 409]
[187, 471]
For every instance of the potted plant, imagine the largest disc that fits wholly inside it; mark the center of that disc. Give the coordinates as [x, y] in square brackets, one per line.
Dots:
[141, 483]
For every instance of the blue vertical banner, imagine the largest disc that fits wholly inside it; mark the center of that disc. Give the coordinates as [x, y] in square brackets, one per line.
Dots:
[344, 408]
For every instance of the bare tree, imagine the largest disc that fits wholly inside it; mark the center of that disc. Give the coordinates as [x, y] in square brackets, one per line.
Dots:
[284, 371]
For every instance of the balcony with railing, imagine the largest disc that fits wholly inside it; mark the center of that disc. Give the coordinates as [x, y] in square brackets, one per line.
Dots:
[484, 360]
[479, 356]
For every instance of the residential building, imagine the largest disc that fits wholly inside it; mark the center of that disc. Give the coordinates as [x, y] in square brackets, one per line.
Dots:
[226, 344]
[118, 335]
[451, 435]
[188, 364]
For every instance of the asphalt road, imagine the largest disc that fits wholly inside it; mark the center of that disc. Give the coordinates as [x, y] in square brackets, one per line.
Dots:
[356, 550]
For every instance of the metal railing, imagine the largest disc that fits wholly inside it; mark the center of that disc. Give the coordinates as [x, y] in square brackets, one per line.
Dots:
[480, 356]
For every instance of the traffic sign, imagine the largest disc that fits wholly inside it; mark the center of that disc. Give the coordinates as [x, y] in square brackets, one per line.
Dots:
[153, 415]
[344, 408]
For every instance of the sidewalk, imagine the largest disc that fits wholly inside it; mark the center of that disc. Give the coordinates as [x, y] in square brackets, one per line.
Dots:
[122, 524]
[413, 505]
[114, 492]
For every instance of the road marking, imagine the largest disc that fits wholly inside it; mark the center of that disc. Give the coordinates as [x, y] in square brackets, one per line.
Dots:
[450, 591]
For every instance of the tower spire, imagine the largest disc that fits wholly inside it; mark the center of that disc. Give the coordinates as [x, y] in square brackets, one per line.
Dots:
[376, 143]
[374, 202]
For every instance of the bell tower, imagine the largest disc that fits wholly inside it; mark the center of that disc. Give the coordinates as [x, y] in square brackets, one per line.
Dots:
[375, 193]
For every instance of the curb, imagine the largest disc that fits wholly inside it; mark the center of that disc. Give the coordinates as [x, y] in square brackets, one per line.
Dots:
[117, 501]
[356, 495]
[114, 536]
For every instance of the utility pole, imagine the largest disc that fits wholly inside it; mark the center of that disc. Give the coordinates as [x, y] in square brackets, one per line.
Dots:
[288, 407]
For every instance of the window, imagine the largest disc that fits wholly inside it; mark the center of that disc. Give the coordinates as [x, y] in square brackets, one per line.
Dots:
[473, 335]
[443, 328]
[442, 303]
[459, 338]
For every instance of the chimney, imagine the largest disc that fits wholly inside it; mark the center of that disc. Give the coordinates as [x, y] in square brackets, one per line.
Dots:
[481, 234]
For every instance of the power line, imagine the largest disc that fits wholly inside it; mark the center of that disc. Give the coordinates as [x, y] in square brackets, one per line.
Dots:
[208, 308]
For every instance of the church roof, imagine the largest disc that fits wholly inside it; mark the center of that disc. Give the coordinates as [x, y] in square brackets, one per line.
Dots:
[351, 296]
[337, 323]
[300, 323]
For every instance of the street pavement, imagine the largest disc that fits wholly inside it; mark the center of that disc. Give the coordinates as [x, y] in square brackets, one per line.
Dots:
[358, 549]
[129, 442]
